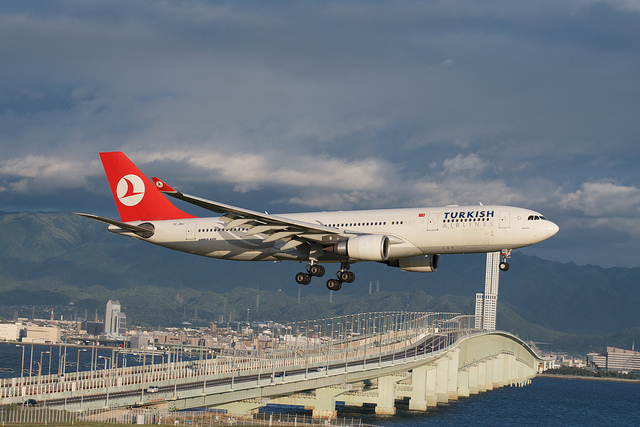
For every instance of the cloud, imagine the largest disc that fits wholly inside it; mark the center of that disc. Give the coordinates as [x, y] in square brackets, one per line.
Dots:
[272, 169]
[471, 163]
[621, 5]
[330, 105]
[605, 199]
[605, 206]
[38, 174]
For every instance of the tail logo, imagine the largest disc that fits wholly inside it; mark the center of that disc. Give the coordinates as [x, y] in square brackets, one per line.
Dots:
[130, 190]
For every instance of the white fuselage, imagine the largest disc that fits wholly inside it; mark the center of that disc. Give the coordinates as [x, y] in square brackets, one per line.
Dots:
[421, 231]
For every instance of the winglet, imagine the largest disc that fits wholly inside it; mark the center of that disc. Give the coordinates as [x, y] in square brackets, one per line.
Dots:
[162, 186]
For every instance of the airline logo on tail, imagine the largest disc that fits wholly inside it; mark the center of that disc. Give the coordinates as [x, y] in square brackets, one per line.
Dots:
[130, 190]
[136, 197]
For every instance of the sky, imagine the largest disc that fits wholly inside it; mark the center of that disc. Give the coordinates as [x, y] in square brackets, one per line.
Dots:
[329, 105]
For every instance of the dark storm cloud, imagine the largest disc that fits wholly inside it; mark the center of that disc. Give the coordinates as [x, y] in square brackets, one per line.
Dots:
[333, 105]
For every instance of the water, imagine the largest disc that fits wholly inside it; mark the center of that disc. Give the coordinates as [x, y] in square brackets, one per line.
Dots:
[546, 402]
[14, 357]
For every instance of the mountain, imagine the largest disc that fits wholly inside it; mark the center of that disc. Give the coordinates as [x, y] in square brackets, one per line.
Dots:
[58, 258]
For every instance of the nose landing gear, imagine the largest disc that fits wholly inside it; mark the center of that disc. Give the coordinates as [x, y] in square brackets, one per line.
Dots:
[505, 254]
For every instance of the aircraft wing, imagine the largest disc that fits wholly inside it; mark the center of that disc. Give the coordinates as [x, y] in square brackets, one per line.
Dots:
[291, 231]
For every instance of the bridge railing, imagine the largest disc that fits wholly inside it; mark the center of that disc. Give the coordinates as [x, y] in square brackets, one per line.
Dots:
[313, 343]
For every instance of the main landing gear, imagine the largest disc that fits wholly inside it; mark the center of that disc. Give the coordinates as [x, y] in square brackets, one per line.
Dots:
[315, 269]
[505, 254]
[344, 275]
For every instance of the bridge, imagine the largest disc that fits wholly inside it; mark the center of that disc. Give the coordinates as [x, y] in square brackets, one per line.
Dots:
[371, 358]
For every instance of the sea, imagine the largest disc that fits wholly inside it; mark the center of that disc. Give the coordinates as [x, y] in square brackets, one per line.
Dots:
[545, 402]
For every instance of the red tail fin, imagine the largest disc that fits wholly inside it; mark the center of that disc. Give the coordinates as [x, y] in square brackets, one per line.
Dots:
[136, 197]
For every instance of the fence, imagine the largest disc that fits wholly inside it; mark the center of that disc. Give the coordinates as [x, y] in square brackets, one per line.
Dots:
[15, 414]
[311, 343]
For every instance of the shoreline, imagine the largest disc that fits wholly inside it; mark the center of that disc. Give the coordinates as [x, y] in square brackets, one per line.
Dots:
[582, 377]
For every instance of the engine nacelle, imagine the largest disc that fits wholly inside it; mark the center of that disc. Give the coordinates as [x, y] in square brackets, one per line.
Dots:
[420, 264]
[370, 247]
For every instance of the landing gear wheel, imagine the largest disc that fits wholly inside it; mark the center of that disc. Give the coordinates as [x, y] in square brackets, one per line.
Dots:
[346, 276]
[316, 270]
[505, 254]
[303, 278]
[334, 285]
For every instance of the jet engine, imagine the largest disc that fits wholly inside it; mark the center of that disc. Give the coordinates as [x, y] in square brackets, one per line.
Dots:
[370, 247]
[420, 264]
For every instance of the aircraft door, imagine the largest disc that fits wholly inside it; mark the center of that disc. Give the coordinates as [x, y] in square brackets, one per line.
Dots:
[505, 219]
[432, 224]
[191, 231]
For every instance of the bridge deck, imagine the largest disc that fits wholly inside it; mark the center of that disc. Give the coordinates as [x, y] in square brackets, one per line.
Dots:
[426, 360]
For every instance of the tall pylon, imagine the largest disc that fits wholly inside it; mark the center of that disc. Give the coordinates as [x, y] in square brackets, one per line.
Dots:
[487, 302]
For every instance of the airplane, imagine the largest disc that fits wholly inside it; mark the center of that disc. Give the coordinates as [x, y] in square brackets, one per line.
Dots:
[411, 239]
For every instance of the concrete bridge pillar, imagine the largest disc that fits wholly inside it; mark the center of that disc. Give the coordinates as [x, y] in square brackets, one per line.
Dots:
[420, 387]
[325, 403]
[499, 379]
[522, 374]
[452, 377]
[387, 395]
[463, 383]
[473, 379]
[505, 369]
[482, 376]
[432, 400]
[442, 380]
[489, 376]
[510, 361]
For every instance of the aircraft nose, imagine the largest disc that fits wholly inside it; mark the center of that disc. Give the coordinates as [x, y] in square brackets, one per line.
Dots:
[553, 228]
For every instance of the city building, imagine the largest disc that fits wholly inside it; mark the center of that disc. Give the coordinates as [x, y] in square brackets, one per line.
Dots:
[10, 331]
[141, 341]
[115, 321]
[91, 328]
[615, 359]
[42, 334]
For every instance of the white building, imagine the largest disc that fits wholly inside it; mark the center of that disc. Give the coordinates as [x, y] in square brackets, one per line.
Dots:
[10, 331]
[115, 322]
[616, 359]
[487, 302]
[42, 334]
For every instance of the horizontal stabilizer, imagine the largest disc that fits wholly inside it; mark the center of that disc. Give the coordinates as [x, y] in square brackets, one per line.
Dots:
[143, 231]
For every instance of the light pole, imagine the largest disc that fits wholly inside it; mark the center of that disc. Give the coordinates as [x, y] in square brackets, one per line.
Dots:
[144, 365]
[31, 364]
[40, 373]
[50, 351]
[78, 362]
[22, 367]
[40, 366]
[106, 359]
[64, 366]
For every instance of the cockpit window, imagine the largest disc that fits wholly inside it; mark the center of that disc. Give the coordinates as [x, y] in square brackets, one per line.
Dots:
[536, 218]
